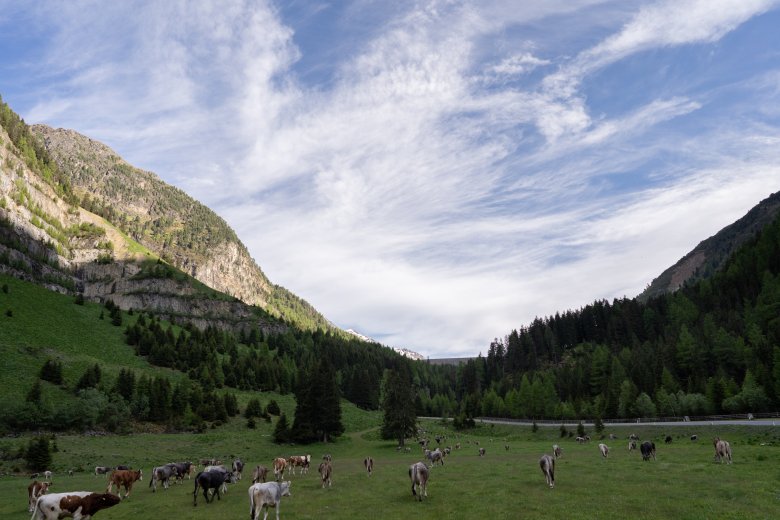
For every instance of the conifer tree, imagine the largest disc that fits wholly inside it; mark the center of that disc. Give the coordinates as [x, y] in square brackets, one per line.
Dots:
[400, 419]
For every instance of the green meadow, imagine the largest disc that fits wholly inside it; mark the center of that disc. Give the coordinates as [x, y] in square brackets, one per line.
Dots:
[683, 483]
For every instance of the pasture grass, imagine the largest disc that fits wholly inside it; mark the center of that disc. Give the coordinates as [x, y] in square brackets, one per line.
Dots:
[683, 483]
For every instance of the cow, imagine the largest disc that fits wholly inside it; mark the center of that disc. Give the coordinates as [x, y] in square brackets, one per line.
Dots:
[633, 437]
[580, 439]
[668, 439]
[47, 475]
[547, 464]
[631, 445]
[123, 478]
[604, 449]
[221, 469]
[329, 457]
[557, 451]
[238, 467]
[694, 438]
[418, 473]
[299, 460]
[81, 505]
[648, 450]
[264, 495]
[101, 470]
[70, 472]
[211, 480]
[280, 464]
[182, 468]
[506, 447]
[482, 452]
[122, 466]
[722, 450]
[35, 490]
[457, 446]
[162, 474]
[448, 450]
[326, 471]
[435, 455]
[368, 462]
[612, 436]
[259, 474]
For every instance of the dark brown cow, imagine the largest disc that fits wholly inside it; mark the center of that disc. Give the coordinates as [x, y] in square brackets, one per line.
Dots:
[80, 505]
[368, 462]
[34, 490]
[123, 478]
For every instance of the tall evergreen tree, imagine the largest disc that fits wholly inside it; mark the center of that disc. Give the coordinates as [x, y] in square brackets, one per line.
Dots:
[400, 419]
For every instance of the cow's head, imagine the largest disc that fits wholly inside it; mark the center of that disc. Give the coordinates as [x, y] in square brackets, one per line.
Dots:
[285, 487]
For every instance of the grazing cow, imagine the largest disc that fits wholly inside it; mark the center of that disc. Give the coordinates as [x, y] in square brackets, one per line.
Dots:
[238, 467]
[612, 436]
[506, 447]
[557, 451]
[604, 449]
[668, 439]
[266, 495]
[418, 473]
[162, 474]
[101, 470]
[326, 471]
[47, 475]
[631, 445]
[587, 438]
[259, 474]
[123, 478]
[211, 480]
[580, 439]
[457, 446]
[448, 450]
[547, 464]
[482, 452]
[70, 472]
[648, 450]
[435, 455]
[80, 505]
[722, 450]
[368, 462]
[35, 490]
[694, 437]
[280, 464]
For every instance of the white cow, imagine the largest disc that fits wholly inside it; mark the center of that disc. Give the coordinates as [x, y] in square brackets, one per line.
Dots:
[604, 449]
[267, 494]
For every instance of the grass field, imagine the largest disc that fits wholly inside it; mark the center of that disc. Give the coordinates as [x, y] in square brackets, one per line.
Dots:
[683, 483]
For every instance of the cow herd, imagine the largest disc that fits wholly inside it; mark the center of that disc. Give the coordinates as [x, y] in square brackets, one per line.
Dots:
[213, 479]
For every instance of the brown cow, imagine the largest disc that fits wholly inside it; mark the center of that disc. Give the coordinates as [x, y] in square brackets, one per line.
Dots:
[80, 505]
[722, 450]
[326, 470]
[34, 490]
[259, 474]
[280, 463]
[123, 478]
[368, 462]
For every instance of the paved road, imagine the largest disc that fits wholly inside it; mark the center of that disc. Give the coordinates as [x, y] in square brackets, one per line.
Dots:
[737, 422]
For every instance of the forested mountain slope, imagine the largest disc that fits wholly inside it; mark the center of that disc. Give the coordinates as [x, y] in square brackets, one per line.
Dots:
[712, 346]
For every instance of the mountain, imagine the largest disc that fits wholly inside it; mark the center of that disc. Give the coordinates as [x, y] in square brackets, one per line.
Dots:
[709, 255]
[137, 226]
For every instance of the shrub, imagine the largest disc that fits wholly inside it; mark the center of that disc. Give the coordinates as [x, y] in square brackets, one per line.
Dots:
[37, 456]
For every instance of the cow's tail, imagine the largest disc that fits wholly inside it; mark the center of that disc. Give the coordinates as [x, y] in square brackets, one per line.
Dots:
[37, 509]
[195, 493]
[251, 504]
[413, 477]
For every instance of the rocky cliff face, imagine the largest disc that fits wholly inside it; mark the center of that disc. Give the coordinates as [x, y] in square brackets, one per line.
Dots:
[157, 215]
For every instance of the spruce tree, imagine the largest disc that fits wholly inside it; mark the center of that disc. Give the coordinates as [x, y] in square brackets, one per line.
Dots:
[400, 418]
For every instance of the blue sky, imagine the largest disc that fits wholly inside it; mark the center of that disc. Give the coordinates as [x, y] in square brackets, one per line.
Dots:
[432, 174]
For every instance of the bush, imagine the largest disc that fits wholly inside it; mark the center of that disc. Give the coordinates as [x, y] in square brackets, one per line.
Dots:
[273, 408]
[580, 430]
[37, 456]
[564, 431]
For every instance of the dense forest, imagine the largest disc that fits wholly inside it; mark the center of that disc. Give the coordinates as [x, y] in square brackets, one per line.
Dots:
[711, 347]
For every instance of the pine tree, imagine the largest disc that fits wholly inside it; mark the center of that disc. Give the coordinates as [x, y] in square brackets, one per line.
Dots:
[282, 430]
[400, 420]
[38, 454]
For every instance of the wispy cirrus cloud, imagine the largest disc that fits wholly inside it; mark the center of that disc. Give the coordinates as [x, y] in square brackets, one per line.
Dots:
[442, 175]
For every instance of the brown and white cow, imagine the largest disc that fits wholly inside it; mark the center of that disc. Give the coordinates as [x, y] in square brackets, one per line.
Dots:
[280, 464]
[557, 451]
[368, 462]
[35, 490]
[302, 461]
[631, 445]
[547, 464]
[482, 452]
[722, 450]
[123, 478]
[326, 471]
[80, 505]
